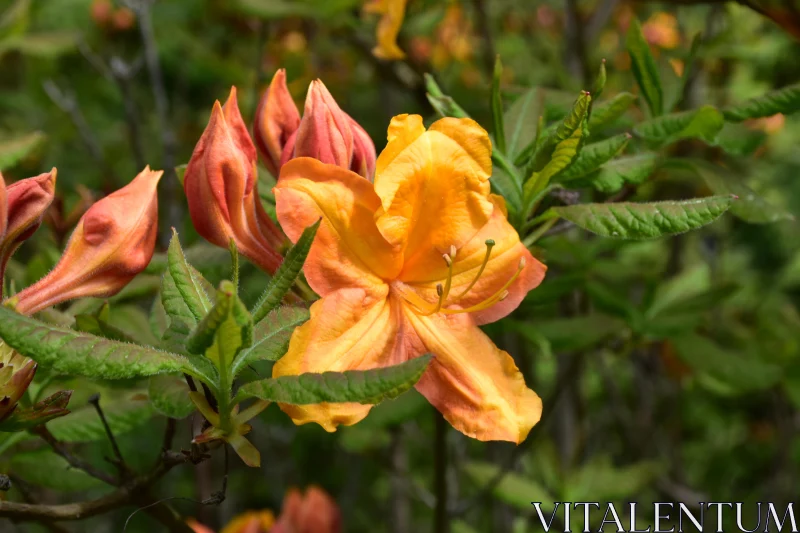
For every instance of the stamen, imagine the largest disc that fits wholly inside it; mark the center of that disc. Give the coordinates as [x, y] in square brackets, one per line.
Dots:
[500, 295]
[442, 296]
[489, 244]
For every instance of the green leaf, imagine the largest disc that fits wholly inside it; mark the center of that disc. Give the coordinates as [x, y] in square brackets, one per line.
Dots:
[187, 281]
[632, 169]
[602, 480]
[84, 425]
[737, 372]
[228, 323]
[69, 352]
[271, 337]
[514, 489]
[785, 100]
[644, 68]
[606, 113]
[15, 150]
[287, 273]
[169, 395]
[521, 121]
[45, 45]
[98, 325]
[627, 220]
[703, 123]
[750, 206]
[281, 9]
[572, 334]
[739, 140]
[362, 386]
[593, 156]
[573, 122]
[52, 407]
[44, 468]
[600, 81]
[443, 104]
[497, 107]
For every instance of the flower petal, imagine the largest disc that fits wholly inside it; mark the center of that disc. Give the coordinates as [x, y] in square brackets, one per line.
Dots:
[350, 329]
[474, 384]
[348, 250]
[393, 12]
[434, 192]
[503, 264]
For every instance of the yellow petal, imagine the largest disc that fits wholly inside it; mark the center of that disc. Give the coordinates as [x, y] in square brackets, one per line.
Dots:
[474, 384]
[349, 329]
[393, 12]
[434, 192]
[503, 264]
[403, 130]
[348, 250]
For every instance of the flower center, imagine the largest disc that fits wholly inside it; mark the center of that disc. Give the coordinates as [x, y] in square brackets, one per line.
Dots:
[423, 308]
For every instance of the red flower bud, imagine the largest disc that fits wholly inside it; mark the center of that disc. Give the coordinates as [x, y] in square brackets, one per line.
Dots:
[276, 120]
[221, 189]
[312, 512]
[330, 135]
[28, 200]
[112, 243]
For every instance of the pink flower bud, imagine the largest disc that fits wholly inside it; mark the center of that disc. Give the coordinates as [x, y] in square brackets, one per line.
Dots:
[28, 201]
[221, 189]
[112, 243]
[330, 135]
[276, 120]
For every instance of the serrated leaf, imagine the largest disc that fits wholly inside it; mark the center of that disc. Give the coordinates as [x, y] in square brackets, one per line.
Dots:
[287, 273]
[169, 395]
[70, 352]
[362, 386]
[593, 156]
[513, 489]
[225, 330]
[12, 151]
[627, 220]
[84, 424]
[187, 280]
[606, 113]
[740, 372]
[44, 468]
[521, 121]
[644, 68]
[271, 337]
[632, 169]
[785, 100]
[703, 123]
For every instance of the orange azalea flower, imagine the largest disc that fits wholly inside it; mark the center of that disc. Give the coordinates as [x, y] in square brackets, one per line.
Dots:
[28, 201]
[410, 265]
[392, 14]
[113, 242]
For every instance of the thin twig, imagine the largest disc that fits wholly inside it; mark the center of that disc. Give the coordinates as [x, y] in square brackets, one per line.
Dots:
[73, 461]
[94, 399]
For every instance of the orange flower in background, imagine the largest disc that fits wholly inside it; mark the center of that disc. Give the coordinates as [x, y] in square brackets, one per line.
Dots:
[112, 243]
[661, 30]
[222, 190]
[325, 132]
[410, 265]
[392, 14]
[312, 512]
[28, 200]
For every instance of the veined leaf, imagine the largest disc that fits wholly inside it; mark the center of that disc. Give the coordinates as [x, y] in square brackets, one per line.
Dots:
[629, 220]
[521, 121]
[644, 68]
[271, 337]
[84, 424]
[574, 121]
[187, 280]
[703, 123]
[287, 273]
[12, 151]
[225, 331]
[70, 352]
[593, 156]
[605, 113]
[785, 100]
[362, 386]
[169, 395]
[632, 169]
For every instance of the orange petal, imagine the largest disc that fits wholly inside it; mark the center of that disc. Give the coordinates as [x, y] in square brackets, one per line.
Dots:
[276, 120]
[434, 192]
[348, 250]
[393, 12]
[503, 264]
[474, 384]
[350, 329]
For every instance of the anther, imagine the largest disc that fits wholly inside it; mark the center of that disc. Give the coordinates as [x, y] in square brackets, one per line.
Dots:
[453, 251]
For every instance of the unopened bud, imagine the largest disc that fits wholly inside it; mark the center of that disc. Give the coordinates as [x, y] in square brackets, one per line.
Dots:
[277, 119]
